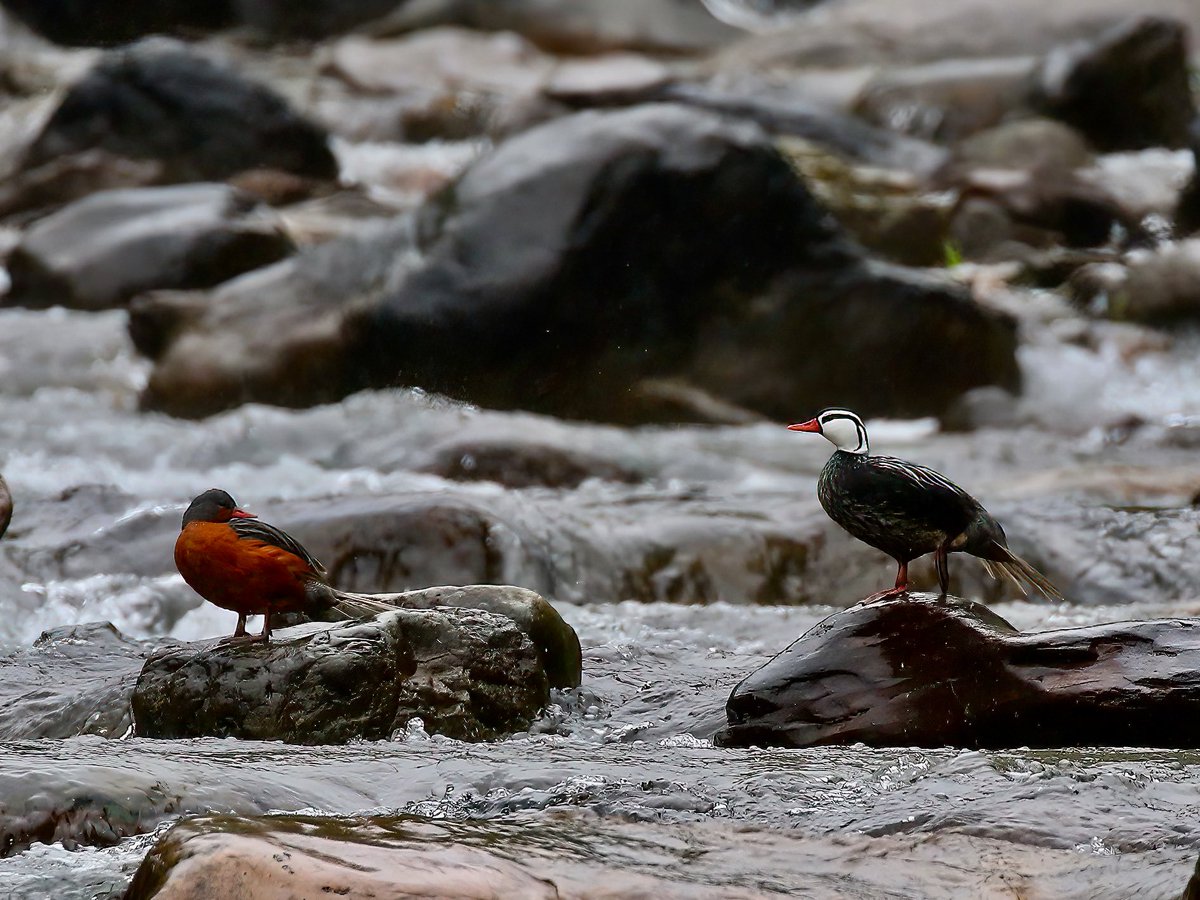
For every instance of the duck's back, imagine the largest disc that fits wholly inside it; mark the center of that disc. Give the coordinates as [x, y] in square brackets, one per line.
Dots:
[896, 506]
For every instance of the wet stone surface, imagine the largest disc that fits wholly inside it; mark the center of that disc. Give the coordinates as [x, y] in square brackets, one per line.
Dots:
[467, 674]
[918, 671]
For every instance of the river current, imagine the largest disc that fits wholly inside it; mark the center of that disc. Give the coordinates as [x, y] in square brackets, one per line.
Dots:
[92, 475]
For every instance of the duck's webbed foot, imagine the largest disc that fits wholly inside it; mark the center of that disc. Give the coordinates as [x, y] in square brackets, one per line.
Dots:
[900, 588]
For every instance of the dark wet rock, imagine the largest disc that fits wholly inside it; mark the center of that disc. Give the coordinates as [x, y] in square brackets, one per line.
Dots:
[576, 26]
[655, 242]
[523, 464]
[202, 121]
[284, 20]
[468, 674]
[915, 671]
[6, 506]
[948, 100]
[272, 335]
[99, 252]
[1001, 210]
[105, 22]
[109, 22]
[639, 205]
[1127, 90]
[556, 642]
[1187, 209]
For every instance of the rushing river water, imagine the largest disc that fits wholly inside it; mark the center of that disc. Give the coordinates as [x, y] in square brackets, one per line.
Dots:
[92, 475]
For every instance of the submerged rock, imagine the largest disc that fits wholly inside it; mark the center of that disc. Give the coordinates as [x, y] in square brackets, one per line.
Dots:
[467, 674]
[202, 121]
[99, 252]
[95, 666]
[915, 671]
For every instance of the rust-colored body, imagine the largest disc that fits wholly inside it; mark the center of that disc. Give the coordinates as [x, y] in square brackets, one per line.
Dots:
[235, 561]
[247, 576]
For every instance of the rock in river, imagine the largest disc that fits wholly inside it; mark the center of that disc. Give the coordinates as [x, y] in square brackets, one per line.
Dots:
[288, 857]
[587, 257]
[914, 671]
[99, 252]
[468, 674]
[203, 121]
[1128, 89]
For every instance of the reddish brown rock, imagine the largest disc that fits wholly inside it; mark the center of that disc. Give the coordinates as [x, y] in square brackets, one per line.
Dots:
[916, 671]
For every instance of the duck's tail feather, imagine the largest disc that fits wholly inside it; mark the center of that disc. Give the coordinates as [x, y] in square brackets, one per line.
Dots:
[1020, 573]
[353, 606]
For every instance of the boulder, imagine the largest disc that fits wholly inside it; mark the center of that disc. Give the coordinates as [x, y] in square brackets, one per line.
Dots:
[275, 335]
[1126, 90]
[601, 249]
[467, 674]
[583, 258]
[106, 22]
[99, 252]
[556, 642]
[6, 506]
[1030, 144]
[202, 121]
[916, 671]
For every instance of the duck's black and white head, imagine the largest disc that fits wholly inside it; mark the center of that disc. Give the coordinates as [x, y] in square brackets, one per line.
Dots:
[842, 428]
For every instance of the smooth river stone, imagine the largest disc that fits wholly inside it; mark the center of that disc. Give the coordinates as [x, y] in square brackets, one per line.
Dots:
[916, 671]
[585, 857]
